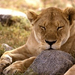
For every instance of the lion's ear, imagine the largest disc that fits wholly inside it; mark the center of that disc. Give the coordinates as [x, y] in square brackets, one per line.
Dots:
[31, 16]
[70, 14]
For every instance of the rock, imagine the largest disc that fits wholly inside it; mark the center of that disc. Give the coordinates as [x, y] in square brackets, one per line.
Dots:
[6, 20]
[51, 62]
[8, 16]
[7, 47]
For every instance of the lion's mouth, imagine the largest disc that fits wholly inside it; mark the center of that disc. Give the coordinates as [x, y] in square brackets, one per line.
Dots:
[51, 48]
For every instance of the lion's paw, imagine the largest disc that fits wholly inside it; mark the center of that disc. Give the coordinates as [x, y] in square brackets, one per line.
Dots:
[3, 64]
[10, 70]
[13, 68]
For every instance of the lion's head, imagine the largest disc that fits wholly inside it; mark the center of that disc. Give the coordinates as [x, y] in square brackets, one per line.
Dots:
[52, 27]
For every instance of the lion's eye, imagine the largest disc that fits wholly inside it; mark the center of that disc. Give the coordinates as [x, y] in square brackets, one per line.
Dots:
[60, 27]
[42, 27]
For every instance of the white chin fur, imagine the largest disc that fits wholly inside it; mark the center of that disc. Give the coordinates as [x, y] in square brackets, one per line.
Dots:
[56, 46]
[45, 46]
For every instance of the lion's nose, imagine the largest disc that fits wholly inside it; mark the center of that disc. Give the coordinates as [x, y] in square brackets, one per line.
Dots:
[50, 42]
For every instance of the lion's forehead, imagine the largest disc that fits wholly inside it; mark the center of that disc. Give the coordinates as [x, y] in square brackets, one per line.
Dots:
[52, 12]
[51, 17]
[51, 21]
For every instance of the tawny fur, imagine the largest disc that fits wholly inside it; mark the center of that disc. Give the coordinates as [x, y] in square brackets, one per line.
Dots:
[53, 24]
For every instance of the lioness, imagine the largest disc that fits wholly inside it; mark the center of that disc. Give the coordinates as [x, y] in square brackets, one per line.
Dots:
[52, 29]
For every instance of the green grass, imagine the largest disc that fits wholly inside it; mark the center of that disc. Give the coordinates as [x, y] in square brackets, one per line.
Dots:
[15, 35]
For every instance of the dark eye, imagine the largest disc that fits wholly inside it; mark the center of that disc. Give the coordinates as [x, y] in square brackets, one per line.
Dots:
[60, 27]
[42, 27]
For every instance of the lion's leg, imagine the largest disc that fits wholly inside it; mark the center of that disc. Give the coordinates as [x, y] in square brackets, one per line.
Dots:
[71, 71]
[18, 66]
[8, 57]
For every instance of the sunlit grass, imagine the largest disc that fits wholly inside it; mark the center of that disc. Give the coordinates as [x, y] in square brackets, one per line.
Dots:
[15, 35]
[13, 4]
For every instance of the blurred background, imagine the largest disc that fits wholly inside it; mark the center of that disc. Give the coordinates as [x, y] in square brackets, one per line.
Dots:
[23, 5]
[14, 25]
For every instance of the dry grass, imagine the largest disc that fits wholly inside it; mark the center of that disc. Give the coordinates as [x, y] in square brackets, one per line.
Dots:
[13, 4]
[15, 35]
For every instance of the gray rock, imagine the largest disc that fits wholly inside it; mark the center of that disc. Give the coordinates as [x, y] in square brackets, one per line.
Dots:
[51, 62]
[7, 47]
[5, 19]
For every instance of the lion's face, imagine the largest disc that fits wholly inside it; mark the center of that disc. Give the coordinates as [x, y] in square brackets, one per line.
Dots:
[51, 29]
